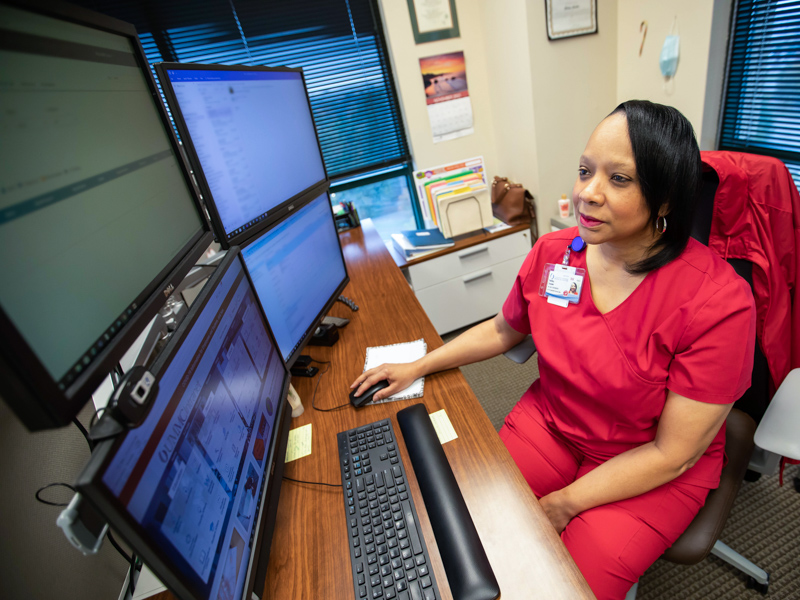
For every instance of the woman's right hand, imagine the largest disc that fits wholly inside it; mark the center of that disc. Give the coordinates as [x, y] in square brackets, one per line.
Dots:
[399, 376]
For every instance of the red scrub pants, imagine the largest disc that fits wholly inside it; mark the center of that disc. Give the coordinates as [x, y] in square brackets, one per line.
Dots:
[613, 544]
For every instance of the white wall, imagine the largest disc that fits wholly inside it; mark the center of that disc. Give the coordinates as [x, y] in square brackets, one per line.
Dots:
[574, 82]
[696, 89]
[405, 63]
[536, 101]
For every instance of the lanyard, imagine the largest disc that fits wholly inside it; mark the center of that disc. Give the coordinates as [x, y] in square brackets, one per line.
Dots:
[577, 245]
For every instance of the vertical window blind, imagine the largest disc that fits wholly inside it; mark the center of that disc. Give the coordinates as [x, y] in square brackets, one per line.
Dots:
[338, 43]
[761, 110]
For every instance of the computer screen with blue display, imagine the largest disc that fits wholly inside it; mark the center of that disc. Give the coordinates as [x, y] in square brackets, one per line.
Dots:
[250, 134]
[194, 488]
[298, 271]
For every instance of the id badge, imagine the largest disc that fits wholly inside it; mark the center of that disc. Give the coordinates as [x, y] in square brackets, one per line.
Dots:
[561, 284]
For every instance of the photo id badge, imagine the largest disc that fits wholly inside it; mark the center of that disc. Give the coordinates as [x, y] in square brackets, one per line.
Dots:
[562, 285]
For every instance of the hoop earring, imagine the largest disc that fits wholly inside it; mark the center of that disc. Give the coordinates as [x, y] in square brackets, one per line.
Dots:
[661, 230]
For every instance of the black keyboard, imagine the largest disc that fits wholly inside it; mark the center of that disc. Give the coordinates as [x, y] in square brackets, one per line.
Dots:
[387, 550]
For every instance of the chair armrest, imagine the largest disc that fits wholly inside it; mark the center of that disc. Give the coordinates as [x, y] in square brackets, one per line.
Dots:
[522, 351]
[779, 430]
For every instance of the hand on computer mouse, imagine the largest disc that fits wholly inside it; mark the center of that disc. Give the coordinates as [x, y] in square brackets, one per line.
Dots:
[399, 376]
[369, 395]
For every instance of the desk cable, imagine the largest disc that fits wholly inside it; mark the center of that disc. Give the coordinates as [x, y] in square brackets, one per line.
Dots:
[319, 378]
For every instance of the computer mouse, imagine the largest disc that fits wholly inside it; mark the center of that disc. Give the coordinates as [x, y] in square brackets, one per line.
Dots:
[366, 397]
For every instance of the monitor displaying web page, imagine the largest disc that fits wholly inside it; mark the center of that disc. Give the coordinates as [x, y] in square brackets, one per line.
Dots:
[298, 271]
[194, 489]
[97, 214]
[250, 133]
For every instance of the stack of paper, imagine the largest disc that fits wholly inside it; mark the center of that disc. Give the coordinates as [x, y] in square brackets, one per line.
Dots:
[400, 354]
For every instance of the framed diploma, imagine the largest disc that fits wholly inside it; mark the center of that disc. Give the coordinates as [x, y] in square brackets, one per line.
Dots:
[568, 18]
[433, 20]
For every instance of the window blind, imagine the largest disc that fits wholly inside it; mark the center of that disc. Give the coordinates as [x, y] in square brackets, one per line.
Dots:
[338, 43]
[761, 110]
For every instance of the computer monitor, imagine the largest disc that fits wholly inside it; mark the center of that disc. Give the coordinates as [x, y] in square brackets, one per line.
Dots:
[298, 271]
[194, 489]
[250, 136]
[98, 218]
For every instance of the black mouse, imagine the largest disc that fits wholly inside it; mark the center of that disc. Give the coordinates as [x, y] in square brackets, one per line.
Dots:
[366, 397]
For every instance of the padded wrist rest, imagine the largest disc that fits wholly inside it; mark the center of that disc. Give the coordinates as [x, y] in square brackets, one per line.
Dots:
[468, 570]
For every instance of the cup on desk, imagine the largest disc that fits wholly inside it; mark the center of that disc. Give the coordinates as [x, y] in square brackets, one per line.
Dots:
[563, 206]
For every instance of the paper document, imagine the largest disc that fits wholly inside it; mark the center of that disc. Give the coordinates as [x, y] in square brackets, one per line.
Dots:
[398, 353]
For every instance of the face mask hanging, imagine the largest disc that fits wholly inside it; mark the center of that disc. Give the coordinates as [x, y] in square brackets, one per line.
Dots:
[670, 52]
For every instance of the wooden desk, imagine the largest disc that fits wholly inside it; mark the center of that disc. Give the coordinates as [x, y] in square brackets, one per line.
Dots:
[310, 557]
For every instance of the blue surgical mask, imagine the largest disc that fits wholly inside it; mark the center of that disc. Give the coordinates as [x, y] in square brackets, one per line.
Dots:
[670, 51]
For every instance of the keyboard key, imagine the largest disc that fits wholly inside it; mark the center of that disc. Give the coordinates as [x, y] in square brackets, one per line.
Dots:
[428, 594]
[414, 591]
[416, 546]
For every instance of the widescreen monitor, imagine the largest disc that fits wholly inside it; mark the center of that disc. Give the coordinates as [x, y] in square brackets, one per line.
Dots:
[298, 271]
[98, 219]
[194, 489]
[250, 136]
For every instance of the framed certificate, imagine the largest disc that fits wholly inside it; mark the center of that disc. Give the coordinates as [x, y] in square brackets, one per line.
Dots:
[568, 18]
[433, 20]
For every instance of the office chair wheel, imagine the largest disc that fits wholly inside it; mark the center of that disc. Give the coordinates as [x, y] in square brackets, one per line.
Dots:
[752, 584]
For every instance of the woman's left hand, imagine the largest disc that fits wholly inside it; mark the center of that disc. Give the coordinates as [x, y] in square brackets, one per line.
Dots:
[557, 509]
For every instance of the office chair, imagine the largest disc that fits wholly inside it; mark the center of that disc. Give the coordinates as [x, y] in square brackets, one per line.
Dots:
[701, 537]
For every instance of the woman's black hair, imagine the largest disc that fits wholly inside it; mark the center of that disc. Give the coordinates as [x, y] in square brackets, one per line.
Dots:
[669, 170]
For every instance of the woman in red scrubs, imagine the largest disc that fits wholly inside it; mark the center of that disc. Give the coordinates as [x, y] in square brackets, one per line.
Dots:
[622, 435]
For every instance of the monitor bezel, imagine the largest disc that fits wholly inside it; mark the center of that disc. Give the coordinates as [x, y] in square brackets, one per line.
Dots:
[26, 385]
[89, 483]
[308, 198]
[274, 214]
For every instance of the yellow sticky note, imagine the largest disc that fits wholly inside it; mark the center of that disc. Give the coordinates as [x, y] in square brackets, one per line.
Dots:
[443, 426]
[299, 444]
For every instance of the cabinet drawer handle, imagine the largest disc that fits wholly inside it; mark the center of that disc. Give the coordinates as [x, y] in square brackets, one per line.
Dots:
[476, 275]
[473, 251]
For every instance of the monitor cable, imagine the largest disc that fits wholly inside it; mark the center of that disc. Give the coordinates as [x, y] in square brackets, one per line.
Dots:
[312, 482]
[314, 395]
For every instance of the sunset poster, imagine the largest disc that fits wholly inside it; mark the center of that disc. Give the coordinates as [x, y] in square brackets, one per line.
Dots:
[444, 78]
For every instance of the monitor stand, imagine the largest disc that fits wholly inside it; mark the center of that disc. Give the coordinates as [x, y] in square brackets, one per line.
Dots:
[325, 335]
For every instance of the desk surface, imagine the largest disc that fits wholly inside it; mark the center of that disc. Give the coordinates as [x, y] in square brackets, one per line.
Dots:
[528, 557]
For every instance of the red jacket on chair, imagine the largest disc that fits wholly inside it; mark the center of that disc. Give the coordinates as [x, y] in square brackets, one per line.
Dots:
[757, 218]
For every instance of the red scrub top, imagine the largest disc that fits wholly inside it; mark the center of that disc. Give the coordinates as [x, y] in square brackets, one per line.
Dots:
[688, 327]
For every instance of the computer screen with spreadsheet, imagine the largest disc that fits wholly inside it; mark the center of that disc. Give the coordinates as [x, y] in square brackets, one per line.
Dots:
[98, 218]
[194, 488]
[250, 135]
[298, 271]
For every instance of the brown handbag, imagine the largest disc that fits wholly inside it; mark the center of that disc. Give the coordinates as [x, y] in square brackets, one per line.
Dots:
[513, 204]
